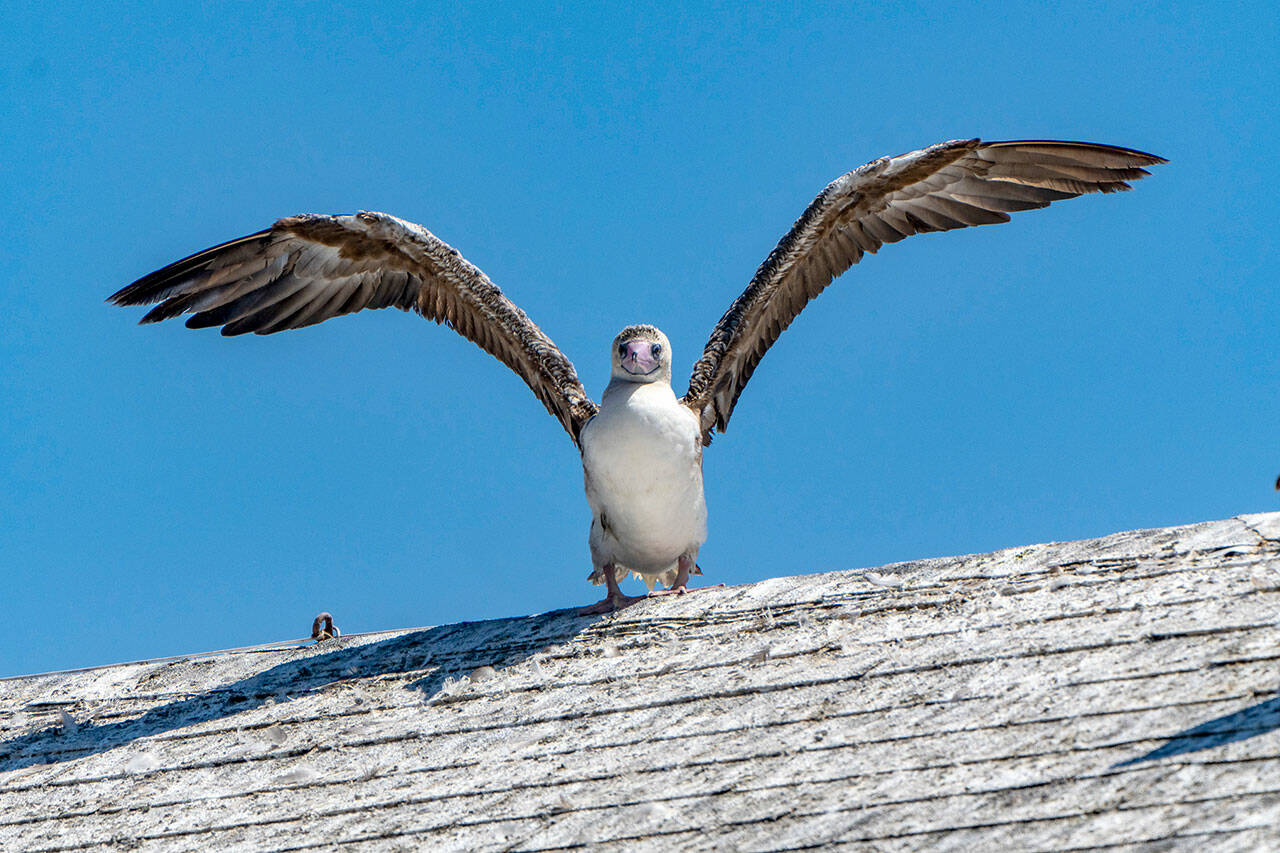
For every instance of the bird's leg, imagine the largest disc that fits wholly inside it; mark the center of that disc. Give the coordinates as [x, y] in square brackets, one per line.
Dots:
[680, 585]
[615, 600]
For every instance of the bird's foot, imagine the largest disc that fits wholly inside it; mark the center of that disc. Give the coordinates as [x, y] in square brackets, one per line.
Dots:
[612, 602]
[680, 585]
[615, 600]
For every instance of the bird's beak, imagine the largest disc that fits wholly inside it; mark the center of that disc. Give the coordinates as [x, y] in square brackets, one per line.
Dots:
[638, 359]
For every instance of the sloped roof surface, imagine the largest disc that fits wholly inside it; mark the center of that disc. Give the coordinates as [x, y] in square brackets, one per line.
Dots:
[1118, 693]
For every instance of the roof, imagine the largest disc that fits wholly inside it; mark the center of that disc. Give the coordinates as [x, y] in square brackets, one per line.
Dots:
[1097, 694]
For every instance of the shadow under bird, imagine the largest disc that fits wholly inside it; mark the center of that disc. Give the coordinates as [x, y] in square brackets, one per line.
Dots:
[641, 445]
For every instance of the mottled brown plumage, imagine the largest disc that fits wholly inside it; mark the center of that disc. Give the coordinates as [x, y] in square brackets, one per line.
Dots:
[642, 455]
[306, 269]
[951, 185]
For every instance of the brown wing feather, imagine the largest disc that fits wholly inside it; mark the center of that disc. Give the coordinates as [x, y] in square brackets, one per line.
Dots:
[951, 185]
[306, 269]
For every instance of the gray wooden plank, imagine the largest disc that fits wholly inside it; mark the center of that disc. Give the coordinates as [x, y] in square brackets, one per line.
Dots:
[1106, 694]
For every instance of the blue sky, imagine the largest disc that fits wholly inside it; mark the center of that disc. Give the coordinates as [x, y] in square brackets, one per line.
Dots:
[1106, 364]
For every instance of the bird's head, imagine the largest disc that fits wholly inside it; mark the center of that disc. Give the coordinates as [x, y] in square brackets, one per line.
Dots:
[641, 354]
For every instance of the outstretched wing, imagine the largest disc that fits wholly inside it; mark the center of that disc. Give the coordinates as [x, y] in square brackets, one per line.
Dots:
[951, 185]
[306, 269]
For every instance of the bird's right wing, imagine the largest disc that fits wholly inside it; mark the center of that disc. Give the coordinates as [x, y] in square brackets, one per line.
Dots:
[950, 185]
[306, 269]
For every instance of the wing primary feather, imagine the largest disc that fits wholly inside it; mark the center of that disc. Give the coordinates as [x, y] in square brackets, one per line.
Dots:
[157, 286]
[308, 268]
[954, 184]
[200, 295]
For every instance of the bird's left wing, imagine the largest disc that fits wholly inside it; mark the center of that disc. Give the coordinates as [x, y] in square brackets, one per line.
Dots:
[306, 269]
[950, 185]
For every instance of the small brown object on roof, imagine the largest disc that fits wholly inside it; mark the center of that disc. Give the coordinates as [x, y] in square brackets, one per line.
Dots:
[323, 628]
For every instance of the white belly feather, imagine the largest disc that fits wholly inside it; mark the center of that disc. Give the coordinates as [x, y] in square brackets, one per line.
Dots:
[642, 455]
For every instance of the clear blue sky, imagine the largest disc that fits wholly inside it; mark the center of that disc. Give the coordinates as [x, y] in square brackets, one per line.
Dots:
[1106, 364]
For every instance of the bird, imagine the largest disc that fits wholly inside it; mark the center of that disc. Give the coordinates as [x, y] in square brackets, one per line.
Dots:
[641, 446]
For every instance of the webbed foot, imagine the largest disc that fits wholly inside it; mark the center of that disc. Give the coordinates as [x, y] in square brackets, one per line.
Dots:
[680, 585]
[615, 600]
[612, 602]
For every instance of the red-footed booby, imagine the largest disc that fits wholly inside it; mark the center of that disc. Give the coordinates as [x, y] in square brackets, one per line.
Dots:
[642, 445]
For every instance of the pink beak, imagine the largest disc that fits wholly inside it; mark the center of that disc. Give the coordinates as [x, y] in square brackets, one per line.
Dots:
[637, 358]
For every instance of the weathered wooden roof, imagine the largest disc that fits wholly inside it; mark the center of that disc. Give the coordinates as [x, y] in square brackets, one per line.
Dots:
[1114, 693]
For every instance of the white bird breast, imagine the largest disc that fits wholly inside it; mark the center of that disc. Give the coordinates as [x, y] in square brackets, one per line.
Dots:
[642, 458]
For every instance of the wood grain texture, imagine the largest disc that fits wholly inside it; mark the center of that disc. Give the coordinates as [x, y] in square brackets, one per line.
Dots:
[1118, 693]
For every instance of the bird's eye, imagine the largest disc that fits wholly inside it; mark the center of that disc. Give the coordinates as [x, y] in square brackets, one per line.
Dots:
[622, 350]
[655, 350]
